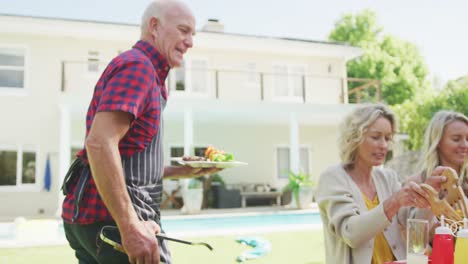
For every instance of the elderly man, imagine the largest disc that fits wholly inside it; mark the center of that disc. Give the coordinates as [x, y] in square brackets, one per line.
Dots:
[117, 178]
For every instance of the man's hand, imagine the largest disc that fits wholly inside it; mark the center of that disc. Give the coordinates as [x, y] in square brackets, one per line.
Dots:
[140, 243]
[186, 172]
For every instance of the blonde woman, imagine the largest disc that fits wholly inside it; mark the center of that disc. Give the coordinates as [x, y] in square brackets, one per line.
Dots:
[446, 144]
[362, 204]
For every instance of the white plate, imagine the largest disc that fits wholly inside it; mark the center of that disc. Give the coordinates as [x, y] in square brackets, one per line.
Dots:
[210, 164]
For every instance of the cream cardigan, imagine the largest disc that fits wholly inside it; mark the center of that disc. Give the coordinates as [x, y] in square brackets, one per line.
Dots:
[349, 228]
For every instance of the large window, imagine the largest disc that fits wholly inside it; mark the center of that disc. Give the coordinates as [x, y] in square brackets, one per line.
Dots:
[180, 78]
[12, 65]
[191, 78]
[177, 152]
[283, 161]
[199, 76]
[252, 74]
[288, 81]
[17, 166]
[93, 61]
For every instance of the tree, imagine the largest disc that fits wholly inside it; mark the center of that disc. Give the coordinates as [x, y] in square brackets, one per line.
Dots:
[395, 62]
[414, 116]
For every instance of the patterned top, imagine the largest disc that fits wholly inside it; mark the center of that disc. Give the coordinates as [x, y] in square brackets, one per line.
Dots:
[133, 82]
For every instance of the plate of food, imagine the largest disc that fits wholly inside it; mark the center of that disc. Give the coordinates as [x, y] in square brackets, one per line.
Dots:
[213, 158]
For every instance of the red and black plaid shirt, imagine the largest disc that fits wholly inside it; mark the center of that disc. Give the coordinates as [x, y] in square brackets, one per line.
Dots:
[132, 82]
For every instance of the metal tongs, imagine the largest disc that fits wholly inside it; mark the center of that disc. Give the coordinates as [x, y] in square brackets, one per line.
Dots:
[117, 246]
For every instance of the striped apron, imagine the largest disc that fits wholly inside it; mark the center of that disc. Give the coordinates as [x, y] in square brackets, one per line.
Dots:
[144, 173]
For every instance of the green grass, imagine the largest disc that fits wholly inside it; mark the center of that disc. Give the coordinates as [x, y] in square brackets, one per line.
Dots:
[300, 247]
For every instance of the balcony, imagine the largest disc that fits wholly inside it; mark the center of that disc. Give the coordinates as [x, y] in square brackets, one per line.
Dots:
[282, 85]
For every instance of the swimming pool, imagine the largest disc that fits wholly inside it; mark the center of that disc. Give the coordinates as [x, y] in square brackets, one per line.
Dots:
[245, 223]
[50, 231]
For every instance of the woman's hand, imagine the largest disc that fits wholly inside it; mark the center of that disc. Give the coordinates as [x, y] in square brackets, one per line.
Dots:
[436, 180]
[412, 195]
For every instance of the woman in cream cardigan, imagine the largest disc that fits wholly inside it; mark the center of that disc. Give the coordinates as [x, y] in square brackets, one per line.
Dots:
[362, 205]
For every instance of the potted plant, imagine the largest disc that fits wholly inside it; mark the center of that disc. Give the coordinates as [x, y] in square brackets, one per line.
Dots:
[193, 197]
[301, 188]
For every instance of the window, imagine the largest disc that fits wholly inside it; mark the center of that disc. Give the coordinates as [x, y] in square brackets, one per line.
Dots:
[8, 160]
[93, 61]
[12, 65]
[191, 77]
[288, 80]
[199, 79]
[280, 80]
[252, 74]
[296, 81]
[179, 152]
[17, 167]
[175, 153]
[180, 78]
[200, 151]
[283, 161]
[29, 168]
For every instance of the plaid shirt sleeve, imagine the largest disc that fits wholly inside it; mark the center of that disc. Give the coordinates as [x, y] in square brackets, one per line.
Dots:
[128, 88]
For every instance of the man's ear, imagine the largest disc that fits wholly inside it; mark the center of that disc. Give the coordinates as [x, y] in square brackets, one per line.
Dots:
[154, 24]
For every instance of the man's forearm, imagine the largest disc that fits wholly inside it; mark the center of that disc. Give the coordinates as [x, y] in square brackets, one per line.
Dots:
[174, 172]
[106, 168]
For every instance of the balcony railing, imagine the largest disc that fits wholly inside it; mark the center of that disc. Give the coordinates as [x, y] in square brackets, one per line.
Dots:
[364, 90]
[79, 78]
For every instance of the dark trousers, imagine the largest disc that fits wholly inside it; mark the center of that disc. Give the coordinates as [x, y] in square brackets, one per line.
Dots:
[89, 248]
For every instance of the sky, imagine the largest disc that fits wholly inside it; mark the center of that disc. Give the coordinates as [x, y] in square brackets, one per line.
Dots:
[437, 27]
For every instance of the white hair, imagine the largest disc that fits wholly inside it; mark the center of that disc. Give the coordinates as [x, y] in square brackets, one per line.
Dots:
[159, 9]
[154, 9]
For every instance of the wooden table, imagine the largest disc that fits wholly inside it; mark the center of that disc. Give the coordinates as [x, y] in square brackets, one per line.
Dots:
[246, 195]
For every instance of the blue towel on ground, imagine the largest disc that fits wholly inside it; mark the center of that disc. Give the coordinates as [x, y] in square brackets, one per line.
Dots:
[260, 248]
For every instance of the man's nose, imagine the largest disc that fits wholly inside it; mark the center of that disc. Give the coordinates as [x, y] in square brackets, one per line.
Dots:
[189, 41]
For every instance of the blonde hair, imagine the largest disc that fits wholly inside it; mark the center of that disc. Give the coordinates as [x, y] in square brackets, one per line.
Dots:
[354, 126]
[432, 137]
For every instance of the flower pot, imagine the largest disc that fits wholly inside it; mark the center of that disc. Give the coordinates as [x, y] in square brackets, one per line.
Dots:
[304, 197]
[193, 199]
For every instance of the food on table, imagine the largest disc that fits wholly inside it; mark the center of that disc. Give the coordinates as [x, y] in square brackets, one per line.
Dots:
[214, 154]
[193, 158]
[453, 205]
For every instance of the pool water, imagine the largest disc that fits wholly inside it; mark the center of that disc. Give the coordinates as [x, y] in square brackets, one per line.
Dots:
[251, 221]
[42, 232]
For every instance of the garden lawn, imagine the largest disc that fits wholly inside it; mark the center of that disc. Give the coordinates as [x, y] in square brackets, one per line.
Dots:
[299, 247]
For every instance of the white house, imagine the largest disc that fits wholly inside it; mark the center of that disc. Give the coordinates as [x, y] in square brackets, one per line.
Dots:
[272, 102]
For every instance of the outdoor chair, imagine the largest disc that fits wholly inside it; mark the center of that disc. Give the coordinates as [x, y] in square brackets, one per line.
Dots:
[171, 189]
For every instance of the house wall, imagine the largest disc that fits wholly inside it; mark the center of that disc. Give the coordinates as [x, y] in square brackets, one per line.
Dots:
[255, 144]
[32, 118]
[324, 149]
